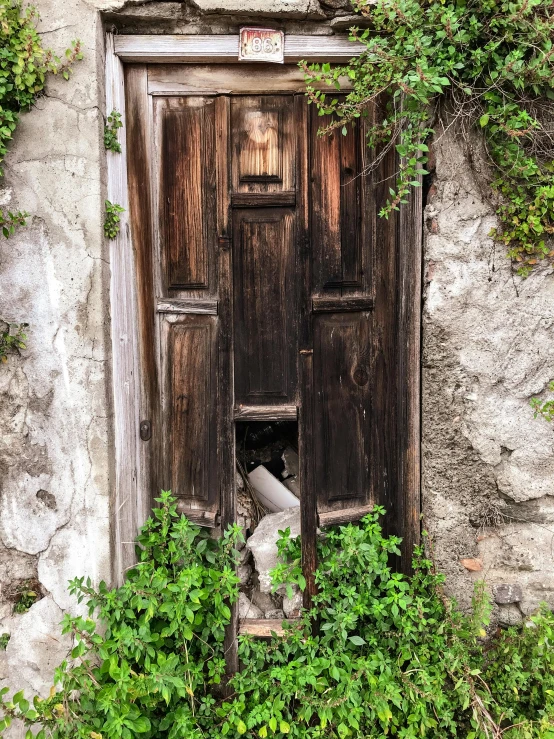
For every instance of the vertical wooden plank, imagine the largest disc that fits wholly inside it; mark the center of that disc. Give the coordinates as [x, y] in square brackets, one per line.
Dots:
[351, 214]
[308, 510]
[188, 191]
[384, 339]
[265, 306]
[263, 139]
[341, 412]
[129, 504]
[409, 372]
[325, 205]
[190, 415]
[139, 174]
[226, 431]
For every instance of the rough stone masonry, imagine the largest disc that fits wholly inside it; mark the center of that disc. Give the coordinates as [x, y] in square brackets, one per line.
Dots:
[488, 347]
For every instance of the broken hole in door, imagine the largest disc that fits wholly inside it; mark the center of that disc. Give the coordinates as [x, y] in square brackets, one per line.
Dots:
[268, 501]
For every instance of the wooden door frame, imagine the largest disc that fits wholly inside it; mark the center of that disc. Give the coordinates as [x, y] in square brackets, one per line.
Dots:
[131, 499]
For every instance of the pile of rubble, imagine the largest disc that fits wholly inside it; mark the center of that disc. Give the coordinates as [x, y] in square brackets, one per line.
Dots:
[268, 502]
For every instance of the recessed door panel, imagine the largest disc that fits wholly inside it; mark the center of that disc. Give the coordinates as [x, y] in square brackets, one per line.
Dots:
[265, 314]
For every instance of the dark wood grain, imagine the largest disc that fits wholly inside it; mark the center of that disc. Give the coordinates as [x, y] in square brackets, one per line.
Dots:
[341, 419]
[188, 191]
[264, 141]
[384, 349]
[225, 400]
[191, 386]
[265, 306]
[210, 519]
[262, 199]
[344, 515]
[325, 205]
[266, 413]
[342, 305]
[409, 372]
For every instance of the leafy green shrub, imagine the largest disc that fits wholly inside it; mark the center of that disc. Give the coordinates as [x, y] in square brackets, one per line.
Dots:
[493, 62]
[379, 655]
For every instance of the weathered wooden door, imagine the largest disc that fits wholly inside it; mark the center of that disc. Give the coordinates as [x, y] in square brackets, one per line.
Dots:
[269, 289]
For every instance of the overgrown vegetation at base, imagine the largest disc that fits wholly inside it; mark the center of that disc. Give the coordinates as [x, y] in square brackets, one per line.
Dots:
[391, 657]
[492, 61]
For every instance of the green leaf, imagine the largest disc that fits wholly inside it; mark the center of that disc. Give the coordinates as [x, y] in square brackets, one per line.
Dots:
[357, 640]
[484, 120]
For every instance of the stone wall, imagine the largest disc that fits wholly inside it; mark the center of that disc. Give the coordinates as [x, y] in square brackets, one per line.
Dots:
[488, 465]
[487, 348]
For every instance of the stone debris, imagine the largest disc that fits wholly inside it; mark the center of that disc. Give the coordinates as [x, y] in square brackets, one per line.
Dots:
[263, 542]
[293, 606]
[247, 609]
[506, 593]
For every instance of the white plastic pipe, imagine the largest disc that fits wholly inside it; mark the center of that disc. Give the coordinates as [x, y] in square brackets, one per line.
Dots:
[271, 493]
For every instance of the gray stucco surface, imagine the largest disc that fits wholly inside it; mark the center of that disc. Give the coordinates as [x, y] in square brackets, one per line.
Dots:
[487, 349]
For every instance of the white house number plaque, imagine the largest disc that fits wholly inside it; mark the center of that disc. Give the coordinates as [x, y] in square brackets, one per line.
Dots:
[261, 45]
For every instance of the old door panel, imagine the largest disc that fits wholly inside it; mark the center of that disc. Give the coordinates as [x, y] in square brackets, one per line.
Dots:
[265, 312]
[189, 347]
[339, 212]
[187, 197]
[341, 410]
[263, 157]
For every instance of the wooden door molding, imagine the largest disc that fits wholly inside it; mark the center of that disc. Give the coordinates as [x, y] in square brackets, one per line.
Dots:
[132, 498]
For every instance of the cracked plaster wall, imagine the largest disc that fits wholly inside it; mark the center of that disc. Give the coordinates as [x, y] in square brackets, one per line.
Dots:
[487, 348]
[488, 465]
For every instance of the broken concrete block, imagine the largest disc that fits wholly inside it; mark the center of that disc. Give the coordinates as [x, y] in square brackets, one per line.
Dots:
[263, 542]
[244, 573]
[290, 458]
[271, 493]
[264, 601]
[275, 614]
[291, 483]
[507, 593]
[248, 609]
[292, 607]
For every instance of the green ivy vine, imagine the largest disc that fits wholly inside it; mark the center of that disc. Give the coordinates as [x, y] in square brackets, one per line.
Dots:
[113, 124]
[492, 63]
[24, 66]
[111, 219]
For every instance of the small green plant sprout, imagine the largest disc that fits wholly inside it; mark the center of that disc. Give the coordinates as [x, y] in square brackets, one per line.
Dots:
[9, 221]
[4, 639]
[110, 132]
[544, 408]
[12, 339]
[111, 221]
[25, 598]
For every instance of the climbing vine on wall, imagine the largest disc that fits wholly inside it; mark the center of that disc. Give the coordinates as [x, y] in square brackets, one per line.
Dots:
[492, 63]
